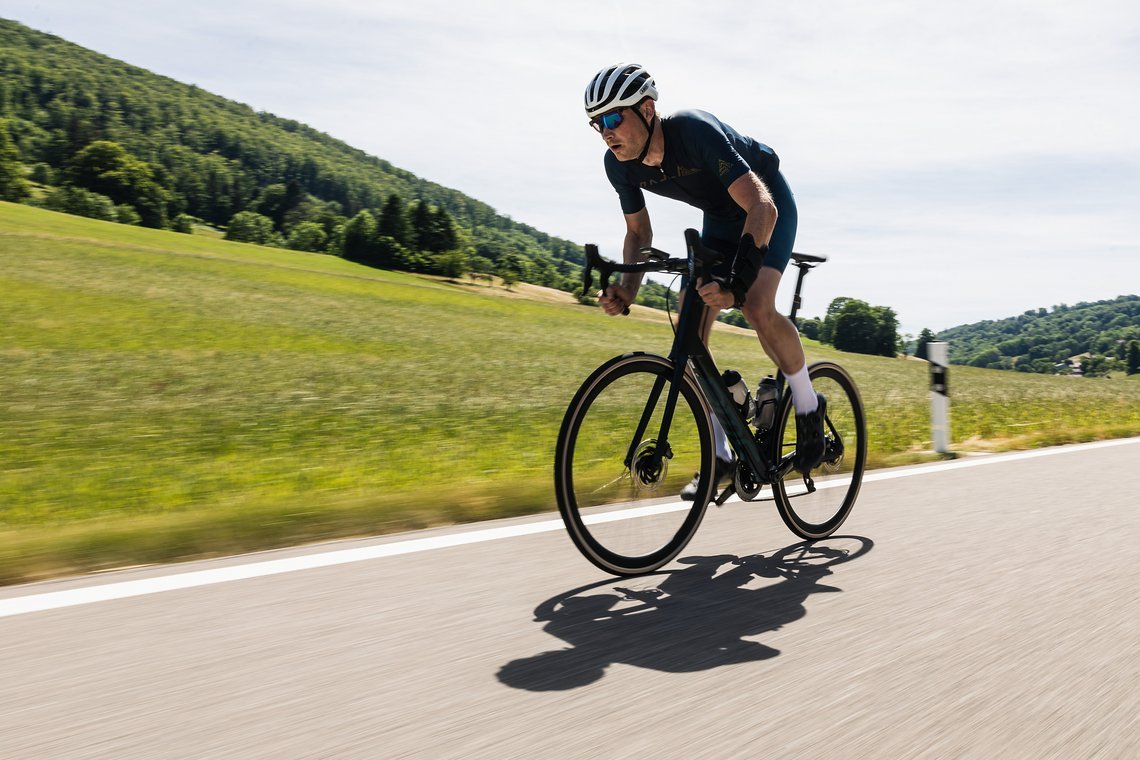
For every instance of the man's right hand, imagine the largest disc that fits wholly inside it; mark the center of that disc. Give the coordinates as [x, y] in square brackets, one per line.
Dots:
[615, 300]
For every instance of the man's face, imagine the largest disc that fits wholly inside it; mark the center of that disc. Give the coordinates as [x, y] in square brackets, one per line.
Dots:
[628, 138]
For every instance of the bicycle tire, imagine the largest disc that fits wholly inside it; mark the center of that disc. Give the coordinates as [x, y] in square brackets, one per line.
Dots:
[597, 406]
[819, 513]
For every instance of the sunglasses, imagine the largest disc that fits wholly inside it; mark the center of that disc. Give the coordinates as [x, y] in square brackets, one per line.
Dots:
[609, 120]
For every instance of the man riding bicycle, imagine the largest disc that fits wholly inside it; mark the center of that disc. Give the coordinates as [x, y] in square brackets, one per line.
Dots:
[749, 215]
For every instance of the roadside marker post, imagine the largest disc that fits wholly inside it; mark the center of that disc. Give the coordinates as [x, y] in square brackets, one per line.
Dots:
[938, 353]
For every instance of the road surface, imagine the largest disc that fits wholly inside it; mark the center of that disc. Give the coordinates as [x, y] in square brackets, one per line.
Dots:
[987, 608]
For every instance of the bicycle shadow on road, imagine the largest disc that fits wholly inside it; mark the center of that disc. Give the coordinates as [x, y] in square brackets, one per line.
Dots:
[680, 621]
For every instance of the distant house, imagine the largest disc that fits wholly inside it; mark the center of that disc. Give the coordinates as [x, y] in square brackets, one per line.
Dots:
[1075, 363]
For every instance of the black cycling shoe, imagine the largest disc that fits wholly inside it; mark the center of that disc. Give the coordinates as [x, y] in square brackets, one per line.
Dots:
[725, 469]
[809, 437]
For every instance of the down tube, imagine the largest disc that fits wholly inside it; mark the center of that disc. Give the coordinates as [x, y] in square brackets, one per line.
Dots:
[735, 428]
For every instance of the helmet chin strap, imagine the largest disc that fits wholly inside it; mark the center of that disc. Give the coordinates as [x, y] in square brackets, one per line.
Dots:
[649, 127]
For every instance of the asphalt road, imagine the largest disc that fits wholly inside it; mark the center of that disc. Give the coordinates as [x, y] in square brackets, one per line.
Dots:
[982, 611]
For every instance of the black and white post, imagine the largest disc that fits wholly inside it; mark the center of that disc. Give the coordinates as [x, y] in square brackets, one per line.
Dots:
[938, 354]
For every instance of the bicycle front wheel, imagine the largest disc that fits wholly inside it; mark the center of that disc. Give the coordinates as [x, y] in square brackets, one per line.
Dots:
[816, 506]
[618, 478]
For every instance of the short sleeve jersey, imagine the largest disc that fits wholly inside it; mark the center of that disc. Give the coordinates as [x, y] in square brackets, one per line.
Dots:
[703, 156]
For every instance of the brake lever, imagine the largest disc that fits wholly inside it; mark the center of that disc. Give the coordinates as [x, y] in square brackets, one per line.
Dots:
[594, 261]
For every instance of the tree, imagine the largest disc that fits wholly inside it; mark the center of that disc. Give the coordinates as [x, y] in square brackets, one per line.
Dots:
[833, 310]
[13, 186]
[924, 337]
[811, 328]
[440, 234]
[452, 263]
[249, 227]
[420, 224]
[886, 331]
[1132, 358]
[855, 328]
[183, 223]
[511, 268]
[75, 200]
[308, 236]
[106, 168]
[986, 357]
[393, 223]
[359, 237]
[125, 214]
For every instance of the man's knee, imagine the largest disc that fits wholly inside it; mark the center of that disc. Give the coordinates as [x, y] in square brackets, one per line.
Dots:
[762, 316]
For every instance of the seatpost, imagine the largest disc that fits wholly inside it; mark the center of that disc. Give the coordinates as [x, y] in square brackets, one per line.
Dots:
[796, 300]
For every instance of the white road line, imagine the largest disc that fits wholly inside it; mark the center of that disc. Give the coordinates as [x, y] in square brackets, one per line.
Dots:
[54, 600]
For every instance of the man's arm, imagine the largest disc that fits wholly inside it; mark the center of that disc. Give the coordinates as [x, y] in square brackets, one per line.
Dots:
[638, 235]
[751, 194]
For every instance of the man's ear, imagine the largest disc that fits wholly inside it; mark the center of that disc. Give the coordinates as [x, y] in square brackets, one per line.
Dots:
[648, 108]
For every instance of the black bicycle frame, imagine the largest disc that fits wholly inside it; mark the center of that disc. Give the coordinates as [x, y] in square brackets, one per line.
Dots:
[688, 349]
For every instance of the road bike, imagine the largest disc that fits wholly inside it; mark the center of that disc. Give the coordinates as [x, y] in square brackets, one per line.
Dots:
[639, 429]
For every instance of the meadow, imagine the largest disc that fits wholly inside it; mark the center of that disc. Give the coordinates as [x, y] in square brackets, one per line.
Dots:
[167, 396]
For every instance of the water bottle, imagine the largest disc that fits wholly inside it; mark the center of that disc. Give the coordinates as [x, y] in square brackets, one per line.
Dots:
[739, 391]
[766, 397]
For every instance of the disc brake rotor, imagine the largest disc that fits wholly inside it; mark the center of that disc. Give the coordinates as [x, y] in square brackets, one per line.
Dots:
[648, 474]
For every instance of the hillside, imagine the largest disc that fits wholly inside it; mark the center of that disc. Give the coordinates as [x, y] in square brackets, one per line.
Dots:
[167, 395]
[188, 152]
[1040, 340]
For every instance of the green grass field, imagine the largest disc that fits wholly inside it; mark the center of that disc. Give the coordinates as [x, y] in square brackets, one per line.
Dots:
[166, 396]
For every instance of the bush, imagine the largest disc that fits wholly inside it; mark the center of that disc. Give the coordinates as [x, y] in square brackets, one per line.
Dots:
[183, 223]
[248, 227]
[75, 200]
[451, 263]
[125, 214]
[308, 236]
[43, 174]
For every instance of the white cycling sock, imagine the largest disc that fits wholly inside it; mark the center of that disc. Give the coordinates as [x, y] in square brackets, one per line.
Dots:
[721, 440]
[803, 395]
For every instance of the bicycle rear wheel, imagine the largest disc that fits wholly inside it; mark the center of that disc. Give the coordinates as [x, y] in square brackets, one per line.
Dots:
[815, 507]
[617, 484]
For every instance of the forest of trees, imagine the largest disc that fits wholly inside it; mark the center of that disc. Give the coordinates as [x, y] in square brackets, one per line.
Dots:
[86, 134]
[1104, 336]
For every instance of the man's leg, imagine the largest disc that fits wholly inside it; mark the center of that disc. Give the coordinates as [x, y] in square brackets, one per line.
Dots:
[781, 341]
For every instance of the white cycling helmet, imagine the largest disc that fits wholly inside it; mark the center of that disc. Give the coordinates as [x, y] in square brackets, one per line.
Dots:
[623, 84]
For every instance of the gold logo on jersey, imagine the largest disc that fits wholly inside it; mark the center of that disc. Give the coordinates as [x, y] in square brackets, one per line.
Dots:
[723, 167]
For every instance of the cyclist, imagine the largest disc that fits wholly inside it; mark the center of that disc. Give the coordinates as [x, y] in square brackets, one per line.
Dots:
[749, 215]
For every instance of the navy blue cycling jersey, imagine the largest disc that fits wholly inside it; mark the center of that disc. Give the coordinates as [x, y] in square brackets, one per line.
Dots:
[703, 156]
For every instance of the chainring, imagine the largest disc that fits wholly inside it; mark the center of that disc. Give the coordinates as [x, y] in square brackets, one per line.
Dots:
[747, 486]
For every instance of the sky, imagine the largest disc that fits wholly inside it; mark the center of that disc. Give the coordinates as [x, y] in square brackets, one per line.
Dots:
[955, 161]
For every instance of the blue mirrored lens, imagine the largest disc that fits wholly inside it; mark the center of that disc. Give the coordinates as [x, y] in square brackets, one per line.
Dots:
[611, 120]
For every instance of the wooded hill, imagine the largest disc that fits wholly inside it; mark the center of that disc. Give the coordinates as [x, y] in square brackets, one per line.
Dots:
[168, 154]
[1044, 340]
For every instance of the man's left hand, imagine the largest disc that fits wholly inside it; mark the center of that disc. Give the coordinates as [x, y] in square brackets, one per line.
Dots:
[714, 296]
